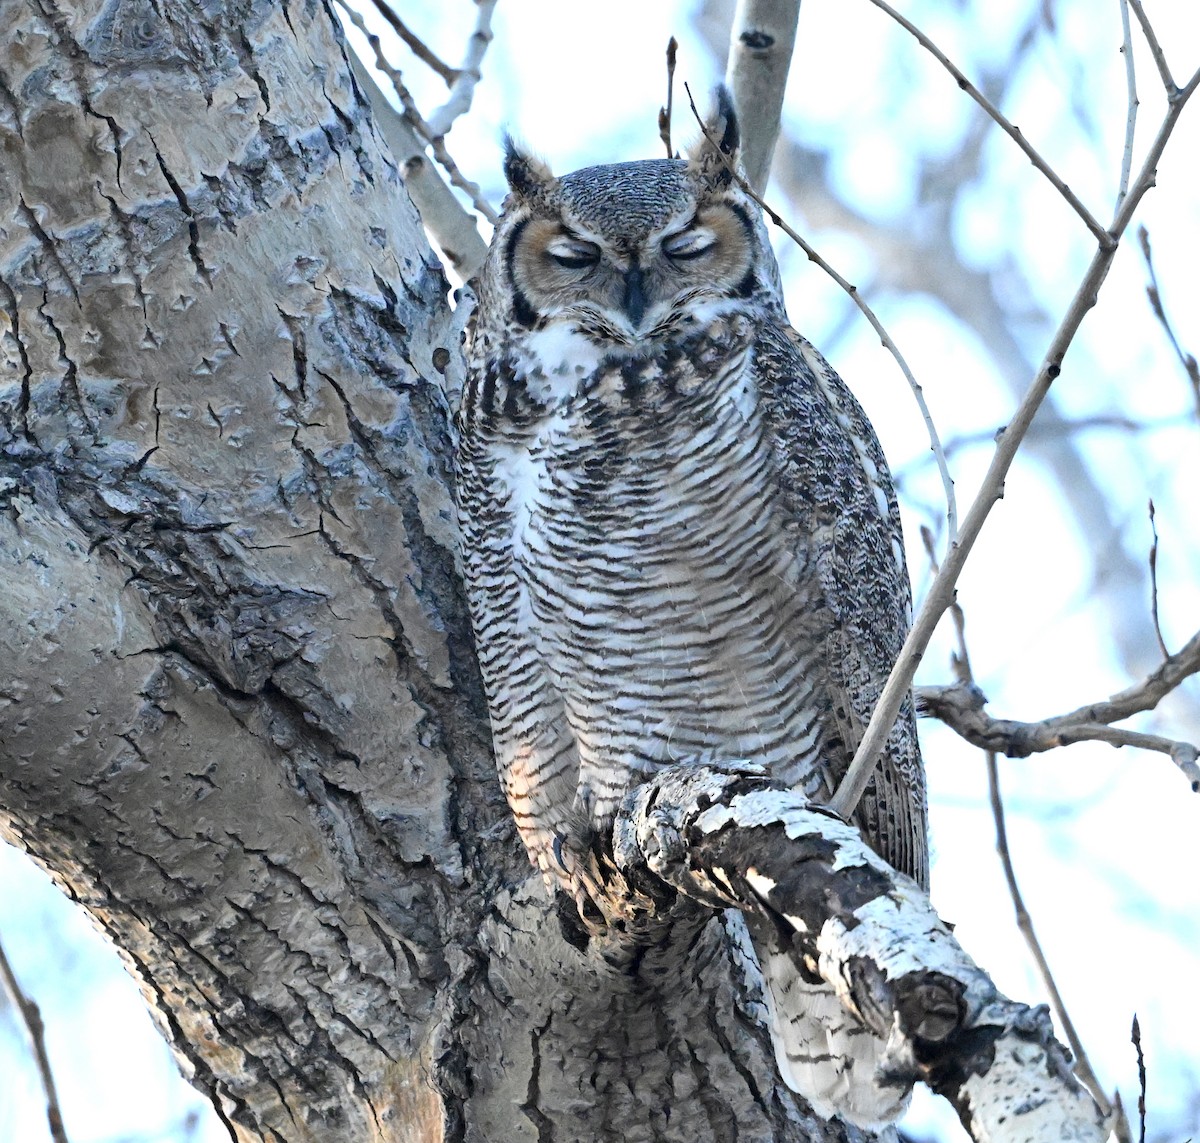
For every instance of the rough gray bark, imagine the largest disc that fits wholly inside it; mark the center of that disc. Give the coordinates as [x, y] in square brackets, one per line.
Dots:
[239, 716]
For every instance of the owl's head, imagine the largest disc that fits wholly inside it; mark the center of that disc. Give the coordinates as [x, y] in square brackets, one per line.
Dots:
[630, 251]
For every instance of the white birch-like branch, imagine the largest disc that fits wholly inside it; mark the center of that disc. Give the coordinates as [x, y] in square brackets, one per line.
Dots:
[1131, 103]
[412, 114]
[725, 835]
[761, 42]
[462, 91]
[941, 591]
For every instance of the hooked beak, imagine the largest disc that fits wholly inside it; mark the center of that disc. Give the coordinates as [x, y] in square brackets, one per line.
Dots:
[634, 302]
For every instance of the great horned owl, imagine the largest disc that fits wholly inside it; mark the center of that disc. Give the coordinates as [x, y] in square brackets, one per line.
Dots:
[680, 539]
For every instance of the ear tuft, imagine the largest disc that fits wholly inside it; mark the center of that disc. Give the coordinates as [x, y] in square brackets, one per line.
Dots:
[717, 150]
[528, 176]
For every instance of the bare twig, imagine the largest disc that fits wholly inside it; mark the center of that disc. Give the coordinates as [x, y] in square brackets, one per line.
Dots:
[415, 120]
[1147, 694]
[1040, 431]
[1132, 103]
[961, 707]
[414, 43]
[1156, 304]
[450, 225]
[941, 591]
[1162, 646]
[1083, 1067]
[31, 1018]
[761, 41]
[467, 78]
[1012, 131]
[960, 659]
[1135, 1034]
[961, 663]
[935, 443]
[664, 113]
[1160, 60]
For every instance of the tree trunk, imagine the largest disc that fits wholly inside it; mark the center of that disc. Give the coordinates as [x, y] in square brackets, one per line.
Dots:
[240, 720]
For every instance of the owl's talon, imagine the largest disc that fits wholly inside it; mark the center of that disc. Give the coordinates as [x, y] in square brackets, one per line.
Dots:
[557, 848]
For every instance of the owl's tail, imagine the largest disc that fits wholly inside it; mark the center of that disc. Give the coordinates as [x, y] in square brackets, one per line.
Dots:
[824, 1053]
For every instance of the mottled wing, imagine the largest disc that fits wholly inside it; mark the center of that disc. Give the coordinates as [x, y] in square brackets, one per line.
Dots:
[837, 484]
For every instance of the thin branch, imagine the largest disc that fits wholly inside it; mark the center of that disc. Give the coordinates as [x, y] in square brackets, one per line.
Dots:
[1145, 695]
[1160, 60]
[31, 1018]
[664, 113]
[961, 663]
[414, 43]
[1135, 1035]
[463, 89]
[1083, 1067]
[960, 707]
[960, 659]
[1153, 561]
[935, 443]
[1113, 422]
[413, 116]
[761, 41]
[1012, 131]
[1156, 304]
[941, 591]
[1132, 103]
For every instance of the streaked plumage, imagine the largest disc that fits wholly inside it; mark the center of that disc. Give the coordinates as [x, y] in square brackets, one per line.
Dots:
[680, 535]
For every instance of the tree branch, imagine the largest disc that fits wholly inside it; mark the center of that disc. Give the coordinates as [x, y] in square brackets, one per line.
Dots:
[412, 115]
[1083, 1067]
[468, 75]
[414, 43]
[1160, 59]
[725, 835]
[761, 42]
[1131, 103]
[31, 1018]
[960, 707]
[1187, 360]
[941, 591]
[665, 112]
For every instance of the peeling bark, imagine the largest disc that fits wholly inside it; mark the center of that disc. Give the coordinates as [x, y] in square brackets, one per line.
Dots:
[728, 836]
